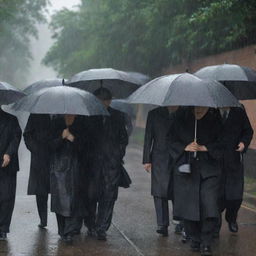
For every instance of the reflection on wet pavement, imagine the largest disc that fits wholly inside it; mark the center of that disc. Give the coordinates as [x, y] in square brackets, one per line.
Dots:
[133, 232]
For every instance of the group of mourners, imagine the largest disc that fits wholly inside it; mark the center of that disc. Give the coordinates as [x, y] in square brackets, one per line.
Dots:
[195, 156]
[77, 159]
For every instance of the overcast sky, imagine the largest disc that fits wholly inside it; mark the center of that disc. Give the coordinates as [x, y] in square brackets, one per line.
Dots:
[59, 4]
[41, 45]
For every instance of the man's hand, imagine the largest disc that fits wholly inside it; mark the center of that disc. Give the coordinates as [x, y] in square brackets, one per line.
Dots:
[241, 147]
[65, 133]
[70, 137]
[192, 147]
[6, 160]
[148, 167]
[202, 148]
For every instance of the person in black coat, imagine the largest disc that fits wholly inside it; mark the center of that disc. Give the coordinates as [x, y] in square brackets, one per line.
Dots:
[237, 134]
[65, 174]
[196, 174]
[157, 161]
[36, 137]
[10, 136]
[109, 140]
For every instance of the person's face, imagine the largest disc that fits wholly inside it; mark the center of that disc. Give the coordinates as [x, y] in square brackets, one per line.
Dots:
[69, 117]
[200, 112]
[225, 108]
[106, 103]
[172, 109]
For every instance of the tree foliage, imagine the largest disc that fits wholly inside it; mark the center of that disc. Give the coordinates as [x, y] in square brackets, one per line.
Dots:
[18, 20]
[147, 35]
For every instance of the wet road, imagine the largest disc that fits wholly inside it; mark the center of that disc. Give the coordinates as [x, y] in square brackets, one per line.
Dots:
[132, 233]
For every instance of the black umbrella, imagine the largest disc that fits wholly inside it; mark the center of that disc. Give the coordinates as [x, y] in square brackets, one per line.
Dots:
[9, 94]
[61, 100]
[124, 106]
[47, 83]
[184, 90]
[240, 80]
[120, 83]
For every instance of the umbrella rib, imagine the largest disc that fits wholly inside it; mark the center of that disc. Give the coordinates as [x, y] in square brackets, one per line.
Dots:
[169, 94]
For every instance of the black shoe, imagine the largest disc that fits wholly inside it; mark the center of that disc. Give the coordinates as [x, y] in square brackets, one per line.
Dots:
[233, 227]
[68, 239]
[76, 232]
[101, 235]
[42, 225]
[3, 236]
[195, 246]
[162, 231]
[178, 229]
[206, 250]
[91, 232]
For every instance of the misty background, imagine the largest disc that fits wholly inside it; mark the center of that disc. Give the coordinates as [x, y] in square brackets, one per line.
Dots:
[42, 44]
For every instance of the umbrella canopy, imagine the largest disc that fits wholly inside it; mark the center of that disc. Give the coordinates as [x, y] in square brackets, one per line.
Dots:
[142, 79]
[124, 106]
[47, 83]
[240, 80]
[9, 94]
[120, 83]
[184, 90]
[61, 100]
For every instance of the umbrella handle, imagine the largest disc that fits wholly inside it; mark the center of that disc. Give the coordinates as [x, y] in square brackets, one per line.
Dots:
[195, 137]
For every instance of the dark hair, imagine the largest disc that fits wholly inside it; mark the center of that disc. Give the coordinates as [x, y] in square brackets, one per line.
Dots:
[103, 93]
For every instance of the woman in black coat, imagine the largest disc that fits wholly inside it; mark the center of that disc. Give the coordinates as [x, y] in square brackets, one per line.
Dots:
[10, 135]
[196, 193]
[36, 137]
[65, 173]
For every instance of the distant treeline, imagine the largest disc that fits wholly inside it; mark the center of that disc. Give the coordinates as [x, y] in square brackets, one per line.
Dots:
[17, 25]
[147, 35]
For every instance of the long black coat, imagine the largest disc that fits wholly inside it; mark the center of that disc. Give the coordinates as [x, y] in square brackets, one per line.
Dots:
[65, 169]
[108, 140]
[196, 194]
[155, 151]
[36, 136]
[236, 129]
[10, 136]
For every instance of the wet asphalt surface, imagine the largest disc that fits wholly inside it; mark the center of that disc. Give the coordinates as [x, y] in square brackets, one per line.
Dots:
[133, 230]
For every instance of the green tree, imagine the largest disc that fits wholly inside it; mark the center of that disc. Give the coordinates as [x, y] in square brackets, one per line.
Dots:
[18, 19]
[147, 35]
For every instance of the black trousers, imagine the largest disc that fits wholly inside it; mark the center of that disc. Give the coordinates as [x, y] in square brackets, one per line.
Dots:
[232, 207]
[201, 231]
[104, 215]
[162, 211]
[6, 210]
[41, 201]
[90, 219]
[66, 225]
